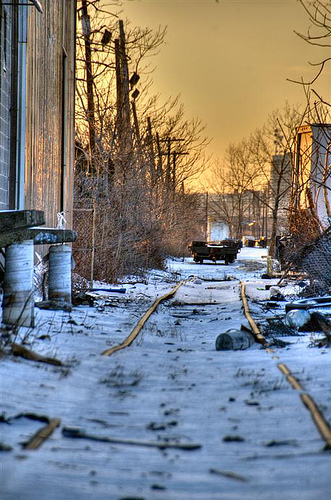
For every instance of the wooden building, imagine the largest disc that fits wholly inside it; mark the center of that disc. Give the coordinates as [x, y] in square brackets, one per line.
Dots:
[37, 83]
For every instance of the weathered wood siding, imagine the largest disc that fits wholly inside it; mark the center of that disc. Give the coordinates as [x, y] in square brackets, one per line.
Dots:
[50, 109]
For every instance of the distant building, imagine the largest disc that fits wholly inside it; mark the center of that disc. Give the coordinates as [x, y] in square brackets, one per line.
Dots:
[37, 81]
[237, 214]
[217, 230]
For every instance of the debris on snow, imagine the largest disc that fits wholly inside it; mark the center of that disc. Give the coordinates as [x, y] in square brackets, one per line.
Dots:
[5, 447]
[54, 305]
[284, 442]
[229, 474]
[322, 322]
[23, 352]
[76, 432]
[297, 318]
[234, 340]
[233, 439]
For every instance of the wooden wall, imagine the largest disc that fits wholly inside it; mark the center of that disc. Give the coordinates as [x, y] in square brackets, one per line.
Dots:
[50, 109]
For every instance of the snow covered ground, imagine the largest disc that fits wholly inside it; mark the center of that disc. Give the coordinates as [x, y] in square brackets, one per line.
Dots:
[258, 441]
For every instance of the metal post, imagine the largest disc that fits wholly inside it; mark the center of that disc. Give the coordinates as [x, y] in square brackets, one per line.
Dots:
[93, 246]
[18, 302]
[60, 274]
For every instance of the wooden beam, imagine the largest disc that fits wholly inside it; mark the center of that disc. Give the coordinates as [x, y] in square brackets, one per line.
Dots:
[10, 220]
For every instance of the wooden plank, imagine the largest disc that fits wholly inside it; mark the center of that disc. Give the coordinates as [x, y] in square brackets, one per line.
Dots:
[39, 235]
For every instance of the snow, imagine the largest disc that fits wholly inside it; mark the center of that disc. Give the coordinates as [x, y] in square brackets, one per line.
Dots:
[171, 384]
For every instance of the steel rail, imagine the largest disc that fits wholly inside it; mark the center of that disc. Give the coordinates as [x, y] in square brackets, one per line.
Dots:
[135, 332]
[256, 332]
[316, 414]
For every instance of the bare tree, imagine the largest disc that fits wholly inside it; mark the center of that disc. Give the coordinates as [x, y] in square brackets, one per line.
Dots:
[272, 152]
[318, 34]
[259, 170]
[133, 155]
[234, 182]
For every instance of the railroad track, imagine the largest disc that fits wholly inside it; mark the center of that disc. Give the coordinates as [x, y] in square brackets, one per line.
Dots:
[135, 332]
[316, 414]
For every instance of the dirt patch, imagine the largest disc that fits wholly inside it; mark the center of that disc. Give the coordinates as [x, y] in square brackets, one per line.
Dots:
[251, 265]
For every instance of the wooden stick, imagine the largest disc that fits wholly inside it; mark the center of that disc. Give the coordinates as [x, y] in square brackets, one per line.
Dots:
[40, 436]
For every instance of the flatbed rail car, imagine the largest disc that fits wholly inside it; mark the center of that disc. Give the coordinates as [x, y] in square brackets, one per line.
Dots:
[226, 250]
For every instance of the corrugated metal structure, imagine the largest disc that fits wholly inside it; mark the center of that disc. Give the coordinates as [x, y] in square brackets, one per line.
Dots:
[37, 41]
[311, 176]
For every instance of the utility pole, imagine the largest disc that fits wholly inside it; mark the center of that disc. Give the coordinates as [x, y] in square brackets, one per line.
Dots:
[151, 150]
[123, 123]
[86, 26]
[207, 210]
[136, 126]
[171, 172]
[159, 154]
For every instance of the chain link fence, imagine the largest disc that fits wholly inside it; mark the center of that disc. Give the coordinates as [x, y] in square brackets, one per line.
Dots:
[308, 252]
[316, 264]
[83, 248]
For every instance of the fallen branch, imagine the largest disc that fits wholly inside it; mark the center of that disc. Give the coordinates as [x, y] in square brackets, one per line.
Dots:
[74, 432]
[23, 352]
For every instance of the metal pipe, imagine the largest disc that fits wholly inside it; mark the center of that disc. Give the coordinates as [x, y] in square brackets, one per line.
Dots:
[21, 108]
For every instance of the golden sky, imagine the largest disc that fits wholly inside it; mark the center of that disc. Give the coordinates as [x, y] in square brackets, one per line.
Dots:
[230, 59]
